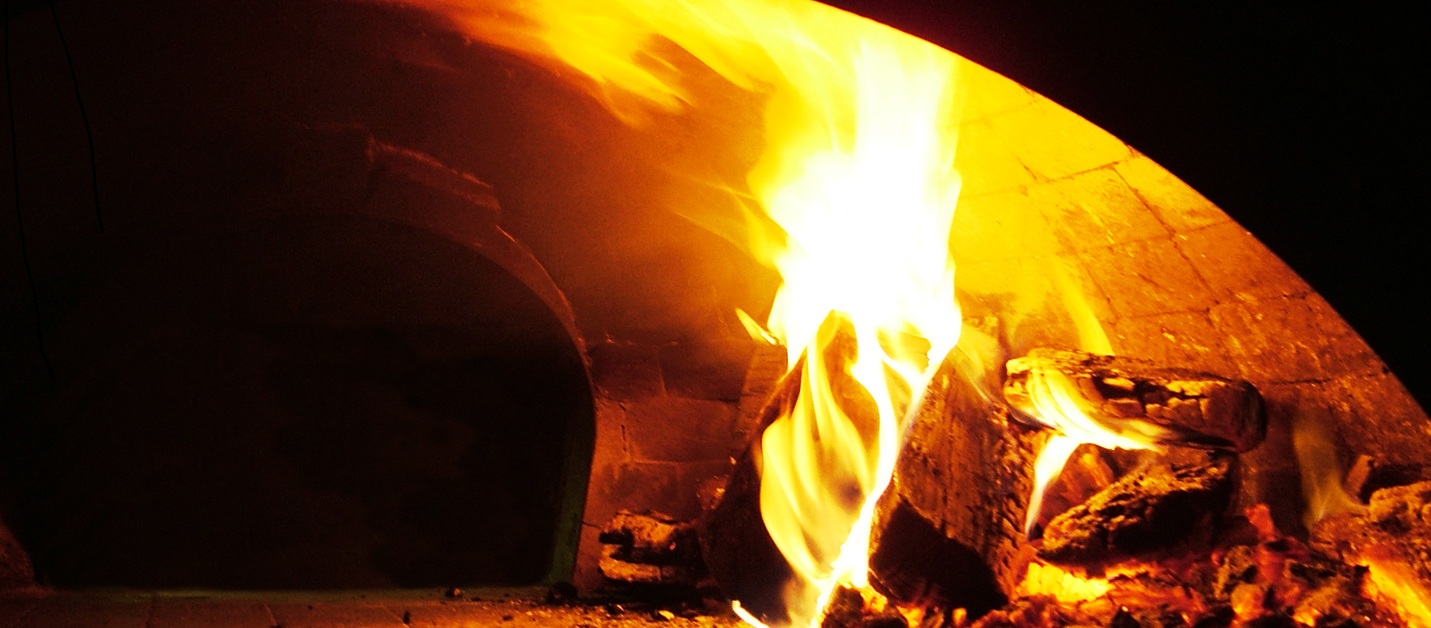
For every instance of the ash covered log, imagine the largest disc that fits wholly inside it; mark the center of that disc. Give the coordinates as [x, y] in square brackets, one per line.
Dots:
[1154, 508]
[948, 531]
[1180, 406]
[650, 549]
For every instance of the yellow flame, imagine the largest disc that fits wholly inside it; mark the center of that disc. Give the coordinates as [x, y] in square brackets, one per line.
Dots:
[1059, 405]
[861, 180]
[1062, 585]
[756, 331]
[1395, 584]
[1047, 466]
[1315, 449]
[858, 174]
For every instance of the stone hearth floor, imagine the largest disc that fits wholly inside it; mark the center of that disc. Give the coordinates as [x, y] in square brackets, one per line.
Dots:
[290, 609]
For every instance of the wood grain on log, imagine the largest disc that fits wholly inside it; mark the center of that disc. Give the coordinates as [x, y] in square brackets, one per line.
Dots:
[948, 531]
[1151, 509]
[1182, 407]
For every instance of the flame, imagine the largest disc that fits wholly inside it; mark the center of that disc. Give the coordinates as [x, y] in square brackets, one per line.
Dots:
[864, 188]
[1059, 405]
[1062, 585]
[858, 175]
[1315, 449]
[1396, 585]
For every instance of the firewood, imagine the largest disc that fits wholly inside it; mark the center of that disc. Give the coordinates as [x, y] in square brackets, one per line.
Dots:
[1148, 510]
[740, 555]
[650, 548]
[948, 531]
[1171, 406]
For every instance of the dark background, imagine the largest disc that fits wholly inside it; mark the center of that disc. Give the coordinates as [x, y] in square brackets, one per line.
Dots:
[1304, 124]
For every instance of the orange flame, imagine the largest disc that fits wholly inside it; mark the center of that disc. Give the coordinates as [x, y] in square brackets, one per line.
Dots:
[858, 174]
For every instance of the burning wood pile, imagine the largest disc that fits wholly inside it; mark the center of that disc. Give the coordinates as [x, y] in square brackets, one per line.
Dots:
[1118, 538]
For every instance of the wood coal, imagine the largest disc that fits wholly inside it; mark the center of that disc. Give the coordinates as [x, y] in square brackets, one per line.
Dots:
[650, 549]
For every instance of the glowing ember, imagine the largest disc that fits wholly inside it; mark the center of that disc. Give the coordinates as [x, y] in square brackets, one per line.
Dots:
[1062, 585]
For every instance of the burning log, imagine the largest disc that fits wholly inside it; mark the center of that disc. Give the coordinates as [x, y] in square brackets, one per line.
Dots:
[948, 531]
[741, 556]
[1151, 509]
[1169, 406]
[650, 549]
[1392, 540]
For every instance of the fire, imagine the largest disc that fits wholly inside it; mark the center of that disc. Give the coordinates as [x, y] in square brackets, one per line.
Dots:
[858, 175]
[1058, 405]
[1062, 585]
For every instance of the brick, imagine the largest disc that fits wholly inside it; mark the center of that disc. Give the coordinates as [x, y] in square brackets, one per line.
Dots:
[1176, 203]
[1036, 301]
[1237, 266]
[985, 163]
[1382, 419]
[987, 92]
[611, 445]
[639, 486]
[1095, 208]
[1184, 339]
[699, 476]
[1146, 278]
[624, 370]
[1270, 475]
[1000, 226]
[1288, 339]
[678, 429]
[712, 370]
[1053, 142]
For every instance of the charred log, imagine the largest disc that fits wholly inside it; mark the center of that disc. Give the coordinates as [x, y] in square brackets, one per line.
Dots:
[650, 549]
[948, 531]
[740, 555]
[1175, 406]
[1154, 509]
[849, 609]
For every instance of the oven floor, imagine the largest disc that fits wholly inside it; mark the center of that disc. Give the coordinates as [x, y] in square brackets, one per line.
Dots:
[289, 609]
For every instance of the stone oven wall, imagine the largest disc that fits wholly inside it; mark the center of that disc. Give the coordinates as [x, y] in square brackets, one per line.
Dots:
[1171, 278]
[1051, 207]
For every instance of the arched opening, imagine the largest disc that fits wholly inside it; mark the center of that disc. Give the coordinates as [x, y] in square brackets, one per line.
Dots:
[318, 402]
